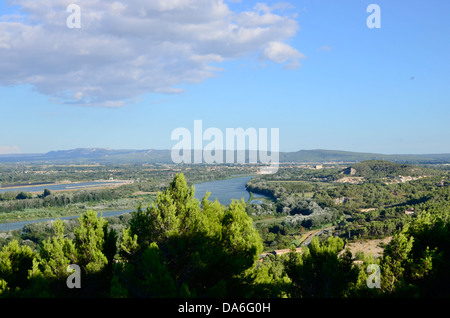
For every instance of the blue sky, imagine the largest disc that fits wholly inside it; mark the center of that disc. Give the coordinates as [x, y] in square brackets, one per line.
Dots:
[317, 73]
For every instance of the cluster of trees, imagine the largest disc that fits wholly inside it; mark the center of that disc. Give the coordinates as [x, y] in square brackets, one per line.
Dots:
[276, 189]
[378, 209]
[15, 195]
[372, 169]
[322, 272]
[183, 247]
[309, 214]
[372, 209]
[277, 235]
[26, 273]
[377, 194]
[298, 209]
[416, 262]
[179, 247]
[262, 209]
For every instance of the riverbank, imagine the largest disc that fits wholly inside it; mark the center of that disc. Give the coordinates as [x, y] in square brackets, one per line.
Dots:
[63, 186]
[18, 219]
[25, 185]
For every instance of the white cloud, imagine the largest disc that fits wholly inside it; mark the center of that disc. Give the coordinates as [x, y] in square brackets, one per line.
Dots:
[9, 150]
[125, 49]
[283, 53]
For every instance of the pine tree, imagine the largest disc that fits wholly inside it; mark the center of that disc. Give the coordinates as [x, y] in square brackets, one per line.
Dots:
[204, 247]
[319, 271]
[89, 242]
[57, 253]
[15, 262]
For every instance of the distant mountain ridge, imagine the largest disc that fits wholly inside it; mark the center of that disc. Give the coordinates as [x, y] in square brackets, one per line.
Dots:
[106, 155]
[321, 155]
[100, 155]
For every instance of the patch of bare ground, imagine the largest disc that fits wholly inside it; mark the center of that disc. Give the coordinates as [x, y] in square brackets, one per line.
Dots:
[369, 247]
[143, 193]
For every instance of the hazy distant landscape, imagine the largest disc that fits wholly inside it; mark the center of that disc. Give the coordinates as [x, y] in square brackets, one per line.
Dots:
[102, 155]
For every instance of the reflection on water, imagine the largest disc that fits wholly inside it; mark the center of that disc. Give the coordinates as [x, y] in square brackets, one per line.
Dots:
[226, 190]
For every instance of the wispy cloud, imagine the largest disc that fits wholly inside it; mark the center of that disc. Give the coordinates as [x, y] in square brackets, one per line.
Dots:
[283, 53]
[9, 150]
[325, 48]
[125, 49]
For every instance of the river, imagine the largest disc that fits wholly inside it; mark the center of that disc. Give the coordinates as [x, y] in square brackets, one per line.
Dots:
[226, 190]
[223, 190]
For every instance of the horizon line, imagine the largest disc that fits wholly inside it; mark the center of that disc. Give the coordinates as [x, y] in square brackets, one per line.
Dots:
[224, 150]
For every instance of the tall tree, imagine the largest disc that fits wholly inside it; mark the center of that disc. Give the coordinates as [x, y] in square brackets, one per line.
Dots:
[416, 261]
[205, 247]
[57, 253]
[89, 242]
[320, 271]
[15, 262]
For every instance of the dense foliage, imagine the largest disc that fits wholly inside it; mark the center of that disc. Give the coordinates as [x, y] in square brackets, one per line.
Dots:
[182, 247]
[369, 209]
[177, 247]
[387, 169]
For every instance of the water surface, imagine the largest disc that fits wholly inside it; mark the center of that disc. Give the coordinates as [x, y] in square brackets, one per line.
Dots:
[61, 186]
[226, 190]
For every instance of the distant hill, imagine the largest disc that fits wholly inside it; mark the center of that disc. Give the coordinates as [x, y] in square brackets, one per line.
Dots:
[98, 155]
[320, 155]
[104, 155]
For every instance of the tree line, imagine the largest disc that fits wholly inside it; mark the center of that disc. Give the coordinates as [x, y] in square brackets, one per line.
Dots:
[18, 201]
